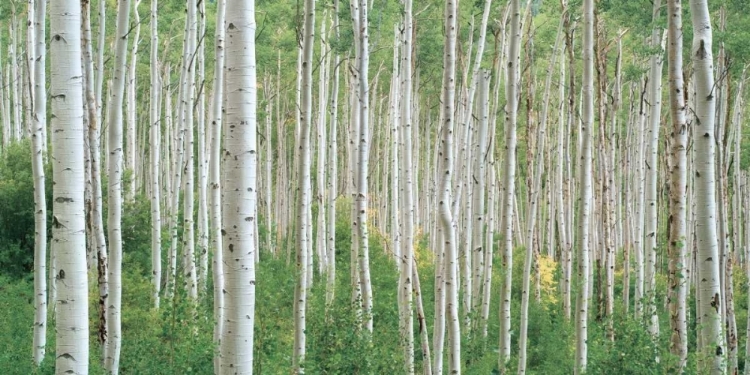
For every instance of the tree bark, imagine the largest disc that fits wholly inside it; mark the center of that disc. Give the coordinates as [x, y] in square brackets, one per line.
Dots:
[114, 191]
[68, 222]
[711, 344]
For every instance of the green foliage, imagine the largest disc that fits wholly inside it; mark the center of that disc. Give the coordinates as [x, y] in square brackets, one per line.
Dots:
[17, 209]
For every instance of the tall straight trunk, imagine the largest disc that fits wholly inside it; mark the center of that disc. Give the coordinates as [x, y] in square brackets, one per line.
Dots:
[711, 346]
[333, 170]
[320, 180]
[584, 215]
[677, 189]
[68, 222]
[99, 65]
[38, 124]
[408, 269]
[155, 148]
[450, 261]
[362, 45]
[114, 192]
[305, 198]
[14, 78]
[94, 151]
[131, 112]
[214, 171]
[481, 159]
[188, 102]
[512, 84]
[202, 154]
[652, 166]
[239, 189]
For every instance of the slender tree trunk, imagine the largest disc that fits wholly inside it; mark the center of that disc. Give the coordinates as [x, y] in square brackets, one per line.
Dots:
[202, 153]
[333, 170]
[677, 189]
[38, 124]
[114, 192]
[450, 261]
[509, 179]
[188, 102]
[214, 170]
[652, 166]
[708, 288]
[131, 113]
[68, 222]
[584, 215]
[304, 200]
[94, 150]
[155, 147]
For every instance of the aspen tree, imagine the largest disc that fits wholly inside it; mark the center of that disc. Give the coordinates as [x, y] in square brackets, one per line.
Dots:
[677, 190]
[130, 113]
[37, 50]
[214, 171]
[114, 192]
[99, 65]
[187, 104]
[321, 244]
[94, 151]
[711, 344]
[584, 215]
[512, 84]
[202, 272]
[450, 241]
[304, 199]
[652, 166]
[155, 148]
[239, 189]
[68, 222]
[407, 265]
[333, 169]
[362, 46]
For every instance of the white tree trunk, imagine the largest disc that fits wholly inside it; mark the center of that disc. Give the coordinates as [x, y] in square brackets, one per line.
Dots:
[304, 199]
[188, 100]
[239, 189]
[68, 222]
[678, 186]
[202, 154]
[585, 186]
[114, 191]
[652, 166]
[155, 148]
[214, 171]
[333, 171]
[450, 261]
[130, 118]
[38, 124]
[708, 287]
[509, 178]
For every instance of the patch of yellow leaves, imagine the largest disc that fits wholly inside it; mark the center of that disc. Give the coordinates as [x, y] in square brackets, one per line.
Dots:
[547, 282]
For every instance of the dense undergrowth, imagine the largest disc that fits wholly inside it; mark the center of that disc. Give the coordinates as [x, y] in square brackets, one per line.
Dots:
[177, 339]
